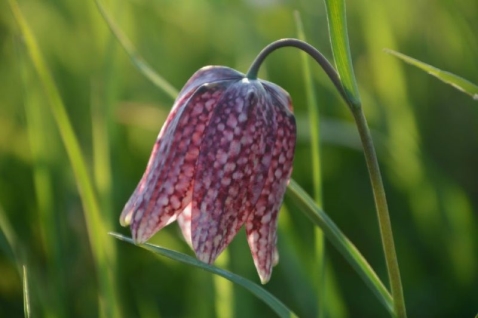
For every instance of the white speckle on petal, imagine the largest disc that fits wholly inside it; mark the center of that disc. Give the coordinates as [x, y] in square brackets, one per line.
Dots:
[230, 166]
[278, 173]
[232, 121]
[163, 200]
[266, 218]
[217, 239]
[242, 117]
[235, 147]
[175, 202]
[138, 214]
[237, 175]
[226, 181]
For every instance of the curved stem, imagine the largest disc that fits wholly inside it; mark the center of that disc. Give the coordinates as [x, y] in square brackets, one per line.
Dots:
[309, 49]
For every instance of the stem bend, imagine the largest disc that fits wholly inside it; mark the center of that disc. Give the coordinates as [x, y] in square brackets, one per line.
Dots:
[309, 49]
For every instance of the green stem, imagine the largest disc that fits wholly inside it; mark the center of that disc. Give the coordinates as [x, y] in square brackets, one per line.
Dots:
[382, 213]
[307, 48]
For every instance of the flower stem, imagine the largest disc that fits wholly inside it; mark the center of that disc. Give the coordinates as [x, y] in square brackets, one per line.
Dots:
[382, 213]
[370, 157]
[309, 49]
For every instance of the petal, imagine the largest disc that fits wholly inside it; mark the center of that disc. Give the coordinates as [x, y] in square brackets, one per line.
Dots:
[208, 74]
[165, 189]
[204, 75]
[184, 221]
[199, 78]
[128, 210]
[261, 224]
[279, 94]
[226, 181]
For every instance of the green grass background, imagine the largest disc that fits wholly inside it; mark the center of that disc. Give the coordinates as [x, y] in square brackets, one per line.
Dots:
[426, 134]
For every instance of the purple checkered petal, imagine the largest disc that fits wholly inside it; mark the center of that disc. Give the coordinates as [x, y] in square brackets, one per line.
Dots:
[261, 224]
[229, 174]
[165, 189]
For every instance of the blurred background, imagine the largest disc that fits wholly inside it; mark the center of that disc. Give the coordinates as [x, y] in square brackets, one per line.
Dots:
[426, 133]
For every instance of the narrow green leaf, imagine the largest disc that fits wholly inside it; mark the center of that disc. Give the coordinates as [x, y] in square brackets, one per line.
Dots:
[39, 135]
[12, 248]
[26, 293]
[255, 289]
[135, 57]
[454, 80]
[102, 248]
[18, 257]
[314, 120]
[313, 114]
[341, 243]
[224, 291]
[339, 40]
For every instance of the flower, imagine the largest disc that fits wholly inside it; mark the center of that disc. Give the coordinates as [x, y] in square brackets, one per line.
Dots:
[222, 159]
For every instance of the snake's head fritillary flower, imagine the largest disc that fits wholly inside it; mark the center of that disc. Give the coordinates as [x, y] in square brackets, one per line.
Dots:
[222, 159]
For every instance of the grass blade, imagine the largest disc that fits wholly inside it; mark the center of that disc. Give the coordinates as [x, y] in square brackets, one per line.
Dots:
[255, 289]
[341, 243]
[19, 258]
[135, 57]
[26, 294]
[16, 253]
[339, 40]
[102, 248]
[456, 81]
[39, 135]
[224, 298]
[314, 120]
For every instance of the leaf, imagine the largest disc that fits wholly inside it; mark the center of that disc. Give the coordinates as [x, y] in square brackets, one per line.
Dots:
[18, 257]
[341, 243]
[456, 81]
[11, 248]
[102, 248]
[135, 57]
[320, 273]
[341, 50]
[26, 293]
[255, 289]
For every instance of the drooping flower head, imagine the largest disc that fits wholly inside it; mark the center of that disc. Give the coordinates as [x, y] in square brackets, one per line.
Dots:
[222, 159]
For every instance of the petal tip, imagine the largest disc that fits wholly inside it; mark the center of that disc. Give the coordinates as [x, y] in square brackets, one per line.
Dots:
[139, 241]
[125, 218]
[204, 257]
[264, 276]
[139, 235]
